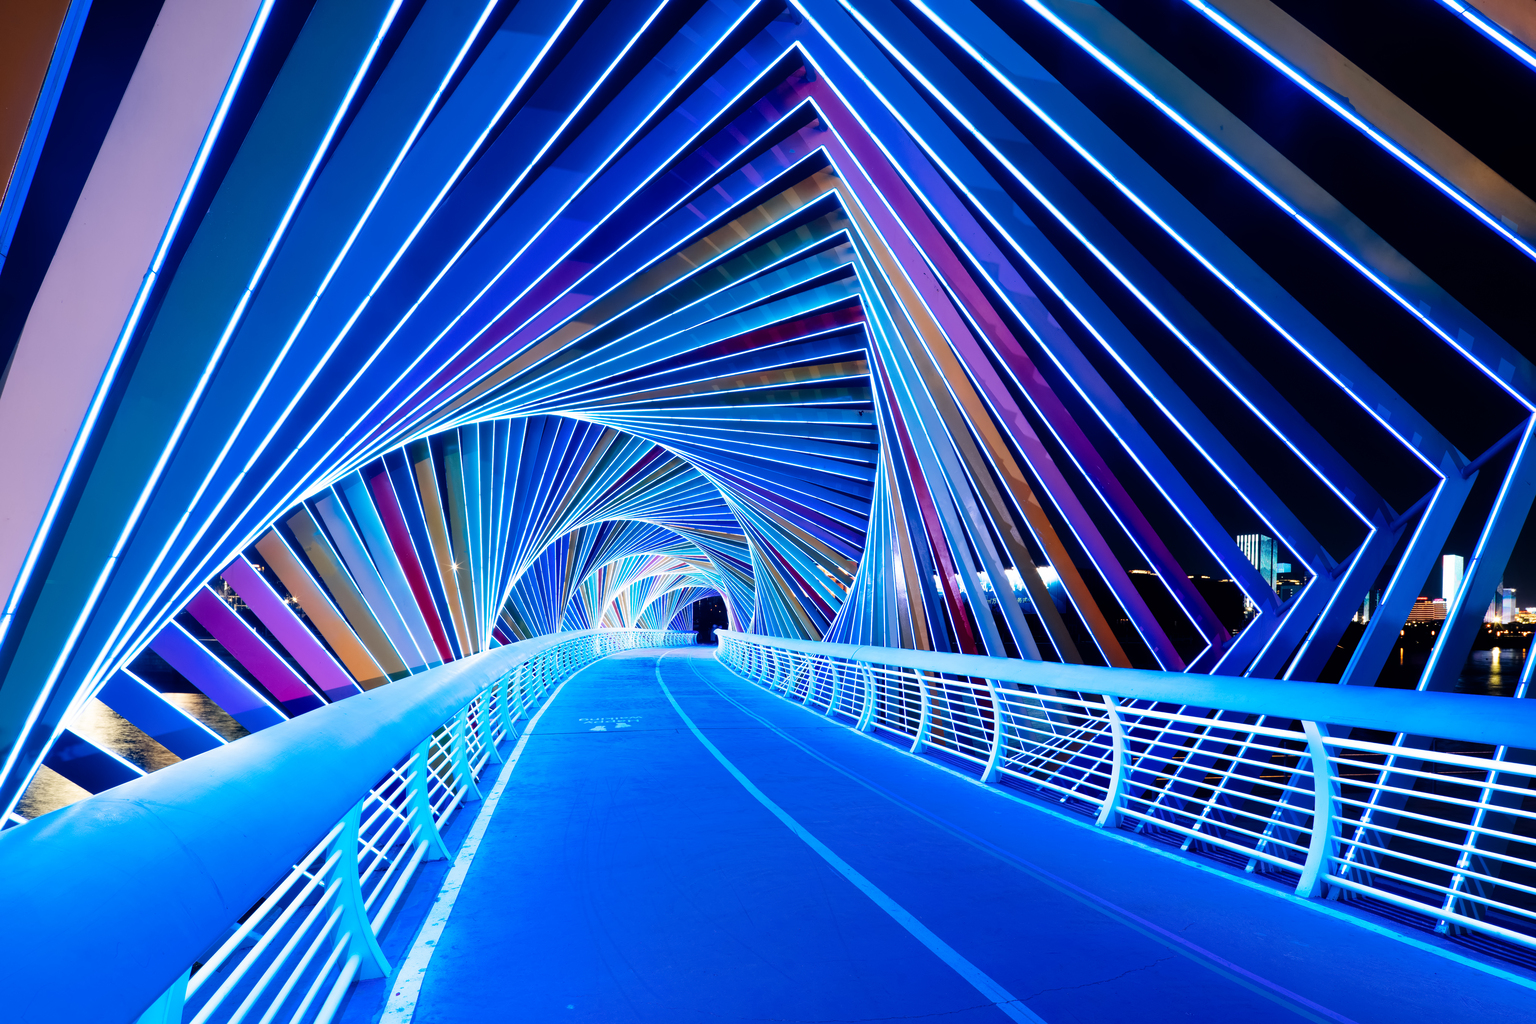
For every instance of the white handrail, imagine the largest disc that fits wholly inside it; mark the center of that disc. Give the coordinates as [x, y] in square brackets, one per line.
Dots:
[1480, 719]
[1273, 772]
[250, 831]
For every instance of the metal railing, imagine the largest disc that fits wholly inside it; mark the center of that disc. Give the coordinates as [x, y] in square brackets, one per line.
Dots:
[201, 890]
[1421, 801]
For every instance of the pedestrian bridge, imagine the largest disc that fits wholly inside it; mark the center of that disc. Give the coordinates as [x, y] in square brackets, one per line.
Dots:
[1107, 444]
[658, 834]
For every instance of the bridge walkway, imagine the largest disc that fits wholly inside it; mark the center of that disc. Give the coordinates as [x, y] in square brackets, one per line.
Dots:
[628, 874]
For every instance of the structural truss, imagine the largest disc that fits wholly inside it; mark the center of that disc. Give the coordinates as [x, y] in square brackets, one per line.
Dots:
[379, 333]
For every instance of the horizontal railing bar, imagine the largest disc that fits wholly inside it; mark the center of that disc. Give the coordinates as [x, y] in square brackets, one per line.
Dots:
[1261, 768]
[1215, 840]
[1477, 764]
[1438, 866]
[1499, 721]
[188, 850]
[1383, 787]
[1446, 823]
[1434, 912]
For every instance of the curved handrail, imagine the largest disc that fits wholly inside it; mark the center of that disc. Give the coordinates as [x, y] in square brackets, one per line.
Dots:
[1462, 716]
[1388, 794]
[137, 882]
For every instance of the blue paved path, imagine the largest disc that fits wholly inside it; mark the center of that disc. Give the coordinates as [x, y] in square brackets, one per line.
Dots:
[628, 875]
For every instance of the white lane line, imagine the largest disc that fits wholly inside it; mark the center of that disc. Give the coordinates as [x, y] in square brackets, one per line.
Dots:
[980, 980]
[1220, 966]
[402, 998]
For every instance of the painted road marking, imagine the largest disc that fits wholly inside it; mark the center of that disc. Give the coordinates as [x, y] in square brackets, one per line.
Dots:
[980, 980]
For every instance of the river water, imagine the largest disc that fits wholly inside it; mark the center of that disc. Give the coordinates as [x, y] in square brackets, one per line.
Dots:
[1495, 672]
[106, 728]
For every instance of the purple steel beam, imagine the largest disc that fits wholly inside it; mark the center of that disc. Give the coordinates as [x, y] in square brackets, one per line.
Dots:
[290, 631]
[253, 652]
[220, 683]
[860, 153]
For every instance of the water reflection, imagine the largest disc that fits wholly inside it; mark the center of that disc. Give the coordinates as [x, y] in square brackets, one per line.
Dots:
[48, 792]
[107, 729]
[209, 713]
[1495, 673]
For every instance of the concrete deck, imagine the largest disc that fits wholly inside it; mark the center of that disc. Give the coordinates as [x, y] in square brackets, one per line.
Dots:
[628, 875]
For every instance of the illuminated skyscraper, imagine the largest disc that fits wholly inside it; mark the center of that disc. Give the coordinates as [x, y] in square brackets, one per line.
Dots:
[1451, 568]
[1260, 550]
[1501, 610]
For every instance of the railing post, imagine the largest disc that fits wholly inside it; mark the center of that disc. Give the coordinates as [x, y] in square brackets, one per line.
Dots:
[420, 801]
[837, 669]
[1114, 791]
[483, 726]
[867, 712]
[354, 924]
[999, 745]
[512, 697]
[504, 696]
[459, 745]
[1325, 791]
[167, 1009]
[925, 716]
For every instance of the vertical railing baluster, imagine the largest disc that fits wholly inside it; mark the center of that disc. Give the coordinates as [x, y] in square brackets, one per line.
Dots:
[459, 749]
[999, 743]
[483, 727]
[1325, 792]
[503, 699]
[419, 800]
[867, 712]
[520, 680]
[925, 713]
[355, 928]
[1114, 790]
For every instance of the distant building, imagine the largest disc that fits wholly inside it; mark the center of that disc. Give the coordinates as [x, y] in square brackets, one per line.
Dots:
[1451, 567]
[1287, 583]
[1368, 606]
[1502, 610]
[1427, 609]
[1260, 550]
